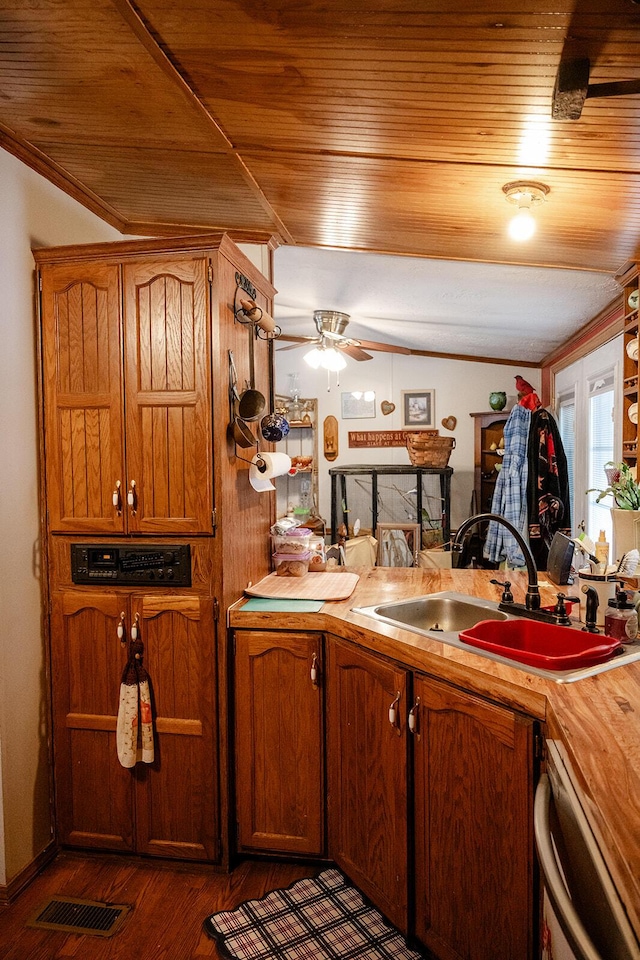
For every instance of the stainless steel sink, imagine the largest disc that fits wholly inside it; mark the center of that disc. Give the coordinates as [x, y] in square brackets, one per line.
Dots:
[442, 616]
[437, 613]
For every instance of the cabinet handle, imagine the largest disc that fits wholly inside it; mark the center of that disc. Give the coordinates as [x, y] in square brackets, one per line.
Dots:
[134, 628]
[315, 670]
[132, 497]
[116, 497]
[120, 629]
[413, 718]
[393, 711]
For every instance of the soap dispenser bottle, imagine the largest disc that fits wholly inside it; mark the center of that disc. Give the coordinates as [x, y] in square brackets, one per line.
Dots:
[621, 620]
[602, 551]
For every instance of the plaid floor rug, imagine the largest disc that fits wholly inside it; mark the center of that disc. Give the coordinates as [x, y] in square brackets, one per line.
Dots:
[323, 918]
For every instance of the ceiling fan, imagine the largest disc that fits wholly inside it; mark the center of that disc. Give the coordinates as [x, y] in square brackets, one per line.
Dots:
[330, 325]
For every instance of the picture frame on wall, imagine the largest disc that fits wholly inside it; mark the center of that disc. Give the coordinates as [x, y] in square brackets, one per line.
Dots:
[358, 405]
[418, 409]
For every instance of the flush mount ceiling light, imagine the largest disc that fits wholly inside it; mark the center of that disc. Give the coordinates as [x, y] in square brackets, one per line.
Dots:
[525, 195]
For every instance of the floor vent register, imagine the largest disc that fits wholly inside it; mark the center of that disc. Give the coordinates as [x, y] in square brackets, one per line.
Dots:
[80, 916]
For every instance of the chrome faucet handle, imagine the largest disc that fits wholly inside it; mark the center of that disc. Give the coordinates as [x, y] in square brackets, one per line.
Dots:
[507, 596]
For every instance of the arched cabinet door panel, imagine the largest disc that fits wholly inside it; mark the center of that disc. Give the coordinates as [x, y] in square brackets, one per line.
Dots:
[168, 808]
[279, 697]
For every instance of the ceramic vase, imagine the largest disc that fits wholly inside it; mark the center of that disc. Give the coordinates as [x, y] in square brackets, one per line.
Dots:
[626, 531]
[497, 400]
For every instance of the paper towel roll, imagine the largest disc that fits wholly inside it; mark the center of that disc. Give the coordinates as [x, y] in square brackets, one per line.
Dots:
[270, 465]
[264, 466]
[258, 482]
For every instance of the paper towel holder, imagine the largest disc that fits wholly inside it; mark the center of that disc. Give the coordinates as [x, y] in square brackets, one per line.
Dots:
[258, 462]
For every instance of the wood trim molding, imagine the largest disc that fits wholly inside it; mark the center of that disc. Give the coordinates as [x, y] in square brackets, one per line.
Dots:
[10, 891]
[43, 165]
[604, 327]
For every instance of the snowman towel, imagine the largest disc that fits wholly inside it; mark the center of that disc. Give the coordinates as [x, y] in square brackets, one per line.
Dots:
[134, 731]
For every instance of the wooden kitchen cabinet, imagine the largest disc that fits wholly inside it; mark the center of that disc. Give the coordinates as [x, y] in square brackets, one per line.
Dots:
[169, 808]
[134, 359]
[367, 773]
[474, 788]
[429, 788]
[279, 738]
[127, 400]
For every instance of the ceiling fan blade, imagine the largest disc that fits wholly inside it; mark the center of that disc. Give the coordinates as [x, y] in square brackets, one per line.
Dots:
[354, 352]
[385, 347]
[292, 338]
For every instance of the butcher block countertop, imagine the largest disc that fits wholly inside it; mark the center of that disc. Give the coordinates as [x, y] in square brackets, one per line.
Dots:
[597, 718]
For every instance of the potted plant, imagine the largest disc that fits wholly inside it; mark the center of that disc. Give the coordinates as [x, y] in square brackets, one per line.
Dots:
[625, 511]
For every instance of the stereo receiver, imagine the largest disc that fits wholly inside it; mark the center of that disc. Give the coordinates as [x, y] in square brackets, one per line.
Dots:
[143, 565]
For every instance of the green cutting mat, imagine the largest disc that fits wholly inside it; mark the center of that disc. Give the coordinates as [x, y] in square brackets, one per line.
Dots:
[283, 606]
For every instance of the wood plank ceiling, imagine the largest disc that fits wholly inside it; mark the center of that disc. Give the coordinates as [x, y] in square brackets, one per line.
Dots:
[362, 124]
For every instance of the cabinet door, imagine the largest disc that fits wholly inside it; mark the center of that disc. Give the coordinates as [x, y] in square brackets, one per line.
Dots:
[168, 808]
[82, 364]
[367, 775]
[474, 816]
[167, 376]
[279, 741]
[177, 806]
[94, 794]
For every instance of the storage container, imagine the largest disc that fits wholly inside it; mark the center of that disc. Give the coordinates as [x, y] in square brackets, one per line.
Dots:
[294, 540]
[292, 564]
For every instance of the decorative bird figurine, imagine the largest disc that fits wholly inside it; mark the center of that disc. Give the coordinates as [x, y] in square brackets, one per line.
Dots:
[523, 386]
[527, 397]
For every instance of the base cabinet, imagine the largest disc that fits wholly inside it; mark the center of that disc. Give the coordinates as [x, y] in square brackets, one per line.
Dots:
[168, 808]
[473, 825]
[367, 775]
[429, 788]
[279, 737]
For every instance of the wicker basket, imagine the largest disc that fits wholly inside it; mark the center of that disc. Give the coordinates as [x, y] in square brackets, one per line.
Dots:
[429, 451]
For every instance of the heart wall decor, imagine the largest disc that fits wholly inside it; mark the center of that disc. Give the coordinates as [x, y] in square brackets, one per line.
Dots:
[449, 423]
[387, 407]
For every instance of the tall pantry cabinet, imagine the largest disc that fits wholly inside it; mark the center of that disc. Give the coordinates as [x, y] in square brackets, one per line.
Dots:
[138, 470]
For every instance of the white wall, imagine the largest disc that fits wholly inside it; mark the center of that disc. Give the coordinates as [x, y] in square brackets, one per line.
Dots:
[460, 388]
[32, 213]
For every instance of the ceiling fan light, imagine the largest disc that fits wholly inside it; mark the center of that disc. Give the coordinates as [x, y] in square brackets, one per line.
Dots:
[314, 358]
[333, 360]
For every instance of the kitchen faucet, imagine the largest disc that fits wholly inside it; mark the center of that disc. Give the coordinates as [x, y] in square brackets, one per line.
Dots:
[531, 608]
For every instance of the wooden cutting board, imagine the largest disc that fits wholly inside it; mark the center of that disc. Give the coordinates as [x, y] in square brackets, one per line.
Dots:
[312, 586]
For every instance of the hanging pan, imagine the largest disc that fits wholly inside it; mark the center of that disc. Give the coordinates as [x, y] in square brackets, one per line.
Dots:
[242, 435]
[251, 404]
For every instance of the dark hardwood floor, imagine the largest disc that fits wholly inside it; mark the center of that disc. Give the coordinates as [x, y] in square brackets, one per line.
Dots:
[170, 902]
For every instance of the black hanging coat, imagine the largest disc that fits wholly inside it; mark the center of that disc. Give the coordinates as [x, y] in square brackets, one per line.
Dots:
[548, 494]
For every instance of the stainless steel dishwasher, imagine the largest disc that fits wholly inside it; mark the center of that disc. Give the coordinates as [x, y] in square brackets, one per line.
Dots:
[583, 917]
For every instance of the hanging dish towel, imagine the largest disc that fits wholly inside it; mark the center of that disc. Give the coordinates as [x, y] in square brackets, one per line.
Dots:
[134, 712]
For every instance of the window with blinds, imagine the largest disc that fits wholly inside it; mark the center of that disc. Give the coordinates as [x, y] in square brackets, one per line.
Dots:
[600, 445]
[587, 395]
